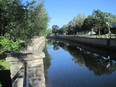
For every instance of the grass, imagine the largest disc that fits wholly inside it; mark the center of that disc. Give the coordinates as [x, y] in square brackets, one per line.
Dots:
[100, 36]
[4, 65]
[0, 84]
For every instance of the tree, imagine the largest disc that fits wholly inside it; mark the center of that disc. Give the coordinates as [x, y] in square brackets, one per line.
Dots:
[100, 21]
[113, 19]
[64, 28]
[75, 25]
[78, 22]
[48, 32]
[97, 22]
[37, 21]
[22, 21]
[88, 23]
[11, 11]
[70, 30]
[55, 29]
[61, 31]
[113, 22]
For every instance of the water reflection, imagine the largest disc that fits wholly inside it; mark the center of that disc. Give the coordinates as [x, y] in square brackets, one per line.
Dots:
[82, 68]
[95, 62]
[55, 46]
[47, 63]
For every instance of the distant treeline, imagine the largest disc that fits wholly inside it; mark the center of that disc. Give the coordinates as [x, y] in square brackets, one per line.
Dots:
[99, 22]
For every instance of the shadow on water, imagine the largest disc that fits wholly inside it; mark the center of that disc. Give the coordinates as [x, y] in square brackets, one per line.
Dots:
[98, 60]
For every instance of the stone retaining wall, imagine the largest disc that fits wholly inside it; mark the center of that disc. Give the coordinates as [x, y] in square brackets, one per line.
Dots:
[100, 42]
[33, 55]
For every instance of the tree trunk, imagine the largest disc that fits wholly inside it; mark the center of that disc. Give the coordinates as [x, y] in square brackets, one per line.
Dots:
[99, 32]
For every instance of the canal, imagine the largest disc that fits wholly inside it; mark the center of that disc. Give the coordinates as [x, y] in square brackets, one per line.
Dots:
[68, 65]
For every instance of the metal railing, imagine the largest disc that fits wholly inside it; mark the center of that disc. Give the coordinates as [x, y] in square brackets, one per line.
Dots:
[25, 76]
[17, 75]
[25, 79]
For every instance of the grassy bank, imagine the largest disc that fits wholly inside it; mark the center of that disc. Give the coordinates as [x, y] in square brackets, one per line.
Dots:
[99, 36]
[4, 65]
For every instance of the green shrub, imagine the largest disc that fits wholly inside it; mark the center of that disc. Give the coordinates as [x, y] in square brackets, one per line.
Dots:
[4, 65]
[4, 43]
[15, 46]
[9, 45]
[0, 84]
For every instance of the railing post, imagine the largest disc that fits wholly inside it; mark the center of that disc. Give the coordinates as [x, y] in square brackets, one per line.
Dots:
[26, 79]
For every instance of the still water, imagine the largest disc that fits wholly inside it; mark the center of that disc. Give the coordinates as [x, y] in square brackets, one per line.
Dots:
[71, 66]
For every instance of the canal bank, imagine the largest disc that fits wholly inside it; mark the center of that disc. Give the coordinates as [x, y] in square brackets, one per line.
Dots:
[26, 67]
[106, 43]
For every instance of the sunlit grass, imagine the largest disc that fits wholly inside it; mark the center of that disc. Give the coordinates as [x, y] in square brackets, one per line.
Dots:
[4, 65]
[0, 84]
[99, 36]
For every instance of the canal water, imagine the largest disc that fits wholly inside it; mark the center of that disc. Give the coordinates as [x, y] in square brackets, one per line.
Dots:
[71, 66]
[68, 65]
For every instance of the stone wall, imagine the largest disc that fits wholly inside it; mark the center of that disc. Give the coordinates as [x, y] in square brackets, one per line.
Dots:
[33, 55]
[99, 42]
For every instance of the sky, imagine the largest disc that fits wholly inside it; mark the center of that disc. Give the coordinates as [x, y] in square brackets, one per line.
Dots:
[63, 11]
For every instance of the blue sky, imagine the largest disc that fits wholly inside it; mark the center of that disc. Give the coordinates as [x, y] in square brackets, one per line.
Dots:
[63, 11]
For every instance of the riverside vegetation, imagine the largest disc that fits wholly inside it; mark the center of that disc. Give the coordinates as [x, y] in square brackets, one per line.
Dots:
[20, 22]
[99, 23]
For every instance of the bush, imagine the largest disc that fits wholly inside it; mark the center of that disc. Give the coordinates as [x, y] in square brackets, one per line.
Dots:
[0, 84]
[9, 45]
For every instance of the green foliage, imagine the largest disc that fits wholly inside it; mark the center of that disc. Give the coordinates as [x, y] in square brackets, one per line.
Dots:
[55, 29]
[0, 84]
[8, 45]
[74, 25]
[49, 32]
[61, 31]
[65, 28]
[4, 65]
[15, 46]
[11, 13]
[5, 44]
[22, 21]
[88, 23]
[113, 19]
[99, 22]
[78, 21]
